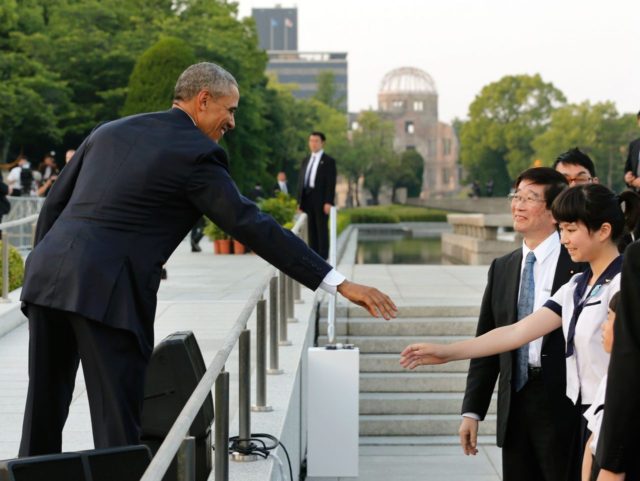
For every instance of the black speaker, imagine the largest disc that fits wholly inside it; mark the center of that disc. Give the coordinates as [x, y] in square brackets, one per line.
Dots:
[175, 368]
[126, 463]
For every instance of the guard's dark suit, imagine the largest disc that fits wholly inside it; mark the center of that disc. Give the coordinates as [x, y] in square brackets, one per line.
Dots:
[312, 200]
[132, 192]
[515, 428]
[617, 445]
[631, 165]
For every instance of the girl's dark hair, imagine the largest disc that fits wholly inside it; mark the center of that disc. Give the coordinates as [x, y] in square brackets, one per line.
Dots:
[594, 204]
[613, 303]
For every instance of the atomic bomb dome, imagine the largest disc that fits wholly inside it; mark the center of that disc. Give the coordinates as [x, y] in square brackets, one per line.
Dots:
[408, 80]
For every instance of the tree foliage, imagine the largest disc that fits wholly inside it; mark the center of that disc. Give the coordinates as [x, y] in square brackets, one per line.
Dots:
[598, 130]
[503, 120]
[154, 76]
[327, 92]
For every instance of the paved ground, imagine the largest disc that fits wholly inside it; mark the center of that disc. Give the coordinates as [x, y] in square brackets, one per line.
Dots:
[205, 293]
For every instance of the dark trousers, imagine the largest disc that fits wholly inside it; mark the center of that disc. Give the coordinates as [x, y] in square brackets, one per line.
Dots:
[533, 449]
[318, 224]
[114, 370]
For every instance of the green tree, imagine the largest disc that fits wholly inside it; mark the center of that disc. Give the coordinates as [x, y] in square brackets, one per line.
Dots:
[154, 76]
[598, 130]
[503, 120]
[327, 92]
[372, 151]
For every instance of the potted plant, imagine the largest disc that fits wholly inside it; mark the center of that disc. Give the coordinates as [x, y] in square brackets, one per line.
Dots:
[238, 247]
[282, 208]
[221, 240]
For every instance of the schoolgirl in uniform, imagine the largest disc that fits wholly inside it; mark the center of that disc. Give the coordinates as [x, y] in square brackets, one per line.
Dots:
[592, 220]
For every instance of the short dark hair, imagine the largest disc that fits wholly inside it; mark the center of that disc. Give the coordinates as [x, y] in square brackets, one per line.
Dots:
[614, 301]
[594, 204]
[318, 134]
[576, 157]
[553, 181]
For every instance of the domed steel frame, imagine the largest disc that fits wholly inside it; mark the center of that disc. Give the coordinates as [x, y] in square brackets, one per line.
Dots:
[408, 80]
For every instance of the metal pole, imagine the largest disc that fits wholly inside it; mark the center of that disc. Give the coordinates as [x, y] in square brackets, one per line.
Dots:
[273, 327]
[244, 398]
[297, 297]
[187, 460]
[261, 358]
[282, 309]
[331, 315]
[221, 440]
[5, 266]
[290, 312]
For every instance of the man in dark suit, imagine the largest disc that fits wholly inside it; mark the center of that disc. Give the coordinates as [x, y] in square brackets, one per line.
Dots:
[536, 421]
[101, 241]
[631, 172]
[316, 192]
[281, 184]
[617, 452]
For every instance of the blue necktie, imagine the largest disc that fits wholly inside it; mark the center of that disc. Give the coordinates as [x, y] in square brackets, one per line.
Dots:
[525, 307]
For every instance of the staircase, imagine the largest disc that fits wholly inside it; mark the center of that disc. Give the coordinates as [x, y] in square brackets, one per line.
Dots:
[398, 406]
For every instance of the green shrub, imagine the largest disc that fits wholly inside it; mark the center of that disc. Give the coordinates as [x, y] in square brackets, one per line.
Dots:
[282, 207]
[388, 214]
[154, 76]
[16, 268]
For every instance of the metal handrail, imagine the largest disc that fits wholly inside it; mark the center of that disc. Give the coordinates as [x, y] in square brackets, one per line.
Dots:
[161, 461]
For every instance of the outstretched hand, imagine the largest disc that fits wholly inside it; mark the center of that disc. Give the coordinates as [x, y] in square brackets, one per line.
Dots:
[422, 354]
[374, 301]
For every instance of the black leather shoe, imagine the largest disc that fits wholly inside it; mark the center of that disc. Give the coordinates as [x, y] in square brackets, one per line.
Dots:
[195, 247]
[163, 276]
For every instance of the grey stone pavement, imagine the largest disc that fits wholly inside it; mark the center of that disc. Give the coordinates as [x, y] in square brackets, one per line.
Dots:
[205, 293]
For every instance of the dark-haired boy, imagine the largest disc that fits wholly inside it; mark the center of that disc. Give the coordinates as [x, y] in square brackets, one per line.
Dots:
[577, 167]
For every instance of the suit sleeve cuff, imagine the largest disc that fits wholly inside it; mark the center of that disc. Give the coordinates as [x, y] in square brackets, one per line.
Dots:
[331, 281]
[471, 416]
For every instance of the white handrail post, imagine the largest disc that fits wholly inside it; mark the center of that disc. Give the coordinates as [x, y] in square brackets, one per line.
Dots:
[331, 315]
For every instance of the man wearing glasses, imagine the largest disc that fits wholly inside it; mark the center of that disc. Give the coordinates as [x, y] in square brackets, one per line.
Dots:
[535, 422]
[577, 167]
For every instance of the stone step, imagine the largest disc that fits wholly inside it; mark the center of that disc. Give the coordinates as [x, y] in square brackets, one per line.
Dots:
[431, 326]
[417, 425]
[389, 344]
[414, 403]
[420, 440]
[390, 363]
[464, 309]
[413, 382]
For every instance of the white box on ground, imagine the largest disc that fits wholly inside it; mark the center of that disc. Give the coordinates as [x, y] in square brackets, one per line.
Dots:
[333, 410]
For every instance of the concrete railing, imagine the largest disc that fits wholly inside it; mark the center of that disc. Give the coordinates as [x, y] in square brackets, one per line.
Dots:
[475, 239]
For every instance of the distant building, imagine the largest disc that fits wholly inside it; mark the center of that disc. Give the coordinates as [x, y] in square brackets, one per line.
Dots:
[409, 98]
[278, 35]
[303, 68]
[277, 28]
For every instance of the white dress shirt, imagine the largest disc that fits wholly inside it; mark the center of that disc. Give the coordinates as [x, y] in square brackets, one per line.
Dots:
[544, 270]
[312, 169]
[283, 187]
[331, 281]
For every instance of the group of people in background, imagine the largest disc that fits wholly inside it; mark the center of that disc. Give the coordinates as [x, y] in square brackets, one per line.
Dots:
[23, 180]
[559, 326]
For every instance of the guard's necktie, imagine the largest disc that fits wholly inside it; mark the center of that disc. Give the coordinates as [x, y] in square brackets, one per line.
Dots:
[309, 172]
[525, 307]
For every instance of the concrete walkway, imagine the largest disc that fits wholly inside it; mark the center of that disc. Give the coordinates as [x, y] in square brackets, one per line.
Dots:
[205, 293]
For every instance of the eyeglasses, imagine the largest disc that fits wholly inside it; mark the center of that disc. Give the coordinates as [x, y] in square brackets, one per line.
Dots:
[579, 179]
[529, 199]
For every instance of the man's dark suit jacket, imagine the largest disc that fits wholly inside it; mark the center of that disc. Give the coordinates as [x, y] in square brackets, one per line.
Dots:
[631, 165]
[499, 308]
[132, 192]
[618, 443]
[324, 190]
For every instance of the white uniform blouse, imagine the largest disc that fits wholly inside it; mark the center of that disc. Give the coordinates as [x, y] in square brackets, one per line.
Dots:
[589, 362]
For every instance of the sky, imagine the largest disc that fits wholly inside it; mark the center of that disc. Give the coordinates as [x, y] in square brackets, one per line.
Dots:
[589, 49]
